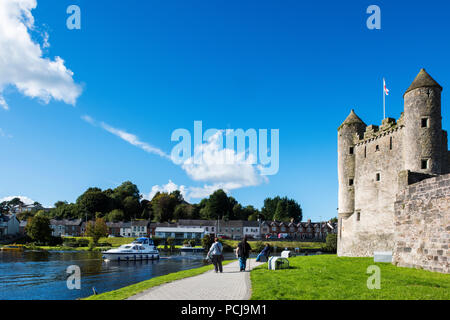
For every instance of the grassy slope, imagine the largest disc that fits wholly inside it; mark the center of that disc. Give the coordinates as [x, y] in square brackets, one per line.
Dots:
[126, 292]
[339, 278]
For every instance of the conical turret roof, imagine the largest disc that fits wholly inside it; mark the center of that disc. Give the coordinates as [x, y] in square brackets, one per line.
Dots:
[352, 118]
[423, 80]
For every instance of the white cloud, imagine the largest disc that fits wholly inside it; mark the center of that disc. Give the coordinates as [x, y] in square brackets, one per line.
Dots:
[220, 168]
[24, 199]
[22, 63]
[169, 187]
[223, 166]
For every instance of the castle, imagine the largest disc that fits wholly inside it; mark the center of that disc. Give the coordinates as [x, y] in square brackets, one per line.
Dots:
[394, 183]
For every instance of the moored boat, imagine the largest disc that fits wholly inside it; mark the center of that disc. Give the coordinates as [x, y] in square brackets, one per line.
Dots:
[13, 247]
[140, 249]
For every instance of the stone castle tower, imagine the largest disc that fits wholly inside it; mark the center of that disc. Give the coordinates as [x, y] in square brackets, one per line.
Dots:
[376, 163]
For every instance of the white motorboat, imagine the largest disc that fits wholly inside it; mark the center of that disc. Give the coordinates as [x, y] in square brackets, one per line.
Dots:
[140, 249]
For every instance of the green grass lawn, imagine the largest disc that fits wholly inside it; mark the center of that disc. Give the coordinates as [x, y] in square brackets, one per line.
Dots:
[126, 292]
[279, 244]
[328, 277]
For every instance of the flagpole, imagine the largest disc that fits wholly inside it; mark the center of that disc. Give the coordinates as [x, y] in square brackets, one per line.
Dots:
[384, 100]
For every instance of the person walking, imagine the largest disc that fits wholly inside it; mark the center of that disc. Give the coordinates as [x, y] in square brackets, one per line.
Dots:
[243, 252]
[265, 252]
[216, 255]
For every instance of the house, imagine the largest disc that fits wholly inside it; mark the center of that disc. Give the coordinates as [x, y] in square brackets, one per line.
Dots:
[140, 228]
[232, 229]
[155, 225]
[9, 225]
[67, 228]
[22, 227]
[210, 226]
[179, 234]
[125, 229]
[251, 229]
[114, 228]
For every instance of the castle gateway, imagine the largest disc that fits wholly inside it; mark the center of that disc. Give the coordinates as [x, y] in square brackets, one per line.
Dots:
[394, 183]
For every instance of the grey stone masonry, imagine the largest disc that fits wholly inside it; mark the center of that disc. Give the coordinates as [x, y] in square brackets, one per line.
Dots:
[422, 225]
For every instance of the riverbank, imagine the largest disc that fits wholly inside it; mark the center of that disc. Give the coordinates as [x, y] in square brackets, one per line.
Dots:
[129, 291]
[328, 277]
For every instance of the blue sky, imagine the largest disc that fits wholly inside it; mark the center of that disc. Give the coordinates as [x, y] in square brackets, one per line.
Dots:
[150, 67]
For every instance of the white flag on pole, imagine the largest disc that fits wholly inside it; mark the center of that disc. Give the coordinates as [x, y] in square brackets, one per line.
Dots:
[386, 90]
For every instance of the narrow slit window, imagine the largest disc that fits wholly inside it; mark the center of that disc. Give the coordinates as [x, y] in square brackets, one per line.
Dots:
[424, 164]
[365, 152]
[350, 182]
[390, 143]
[424, 122]
[358, 216]
[377, 148]
[351, 150]
[378, 177]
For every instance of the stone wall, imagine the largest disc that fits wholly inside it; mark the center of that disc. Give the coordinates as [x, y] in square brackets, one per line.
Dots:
[422, 225]
[371, 227]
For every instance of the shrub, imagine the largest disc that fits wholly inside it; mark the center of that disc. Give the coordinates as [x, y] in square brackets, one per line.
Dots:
[156, 241]
[258, 246]
[331, 243]
[83, 242]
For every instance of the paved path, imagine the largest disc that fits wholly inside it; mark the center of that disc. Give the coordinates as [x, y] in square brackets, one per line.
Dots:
[229, 285]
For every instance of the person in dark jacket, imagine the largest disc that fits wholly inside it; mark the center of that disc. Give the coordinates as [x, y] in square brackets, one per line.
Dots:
[243, 252]
[265, 252]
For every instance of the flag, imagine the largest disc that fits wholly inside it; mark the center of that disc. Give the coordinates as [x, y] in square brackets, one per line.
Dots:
[386, 90]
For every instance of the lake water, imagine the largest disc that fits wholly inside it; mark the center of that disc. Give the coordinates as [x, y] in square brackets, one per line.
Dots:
[42, 275]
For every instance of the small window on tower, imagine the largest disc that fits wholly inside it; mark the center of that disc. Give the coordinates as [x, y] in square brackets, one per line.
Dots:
[377, 148]
[350, 182]
[378, 177]
[351, 150]
[358, 216]
[390, 144]
[424, 164]
[424, 122]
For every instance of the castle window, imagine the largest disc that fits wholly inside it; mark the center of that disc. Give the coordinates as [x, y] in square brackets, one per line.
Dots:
[358, 216]
[377, 148]
[424, 122]
[424, 164]
[390, 143]
[350, 182]
[378, 177]
[365, 152]
[351, 150]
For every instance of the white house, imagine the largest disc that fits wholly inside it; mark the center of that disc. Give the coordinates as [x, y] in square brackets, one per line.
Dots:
[210, 226]
[180, 233]
[251, 229]
[9, 225]
[125, 229]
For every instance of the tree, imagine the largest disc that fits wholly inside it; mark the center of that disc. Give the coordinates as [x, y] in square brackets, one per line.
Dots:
[331, 243]
[131, 208]
[270, 205]
[171, 243]
[115, 216]
[163, 205]
[97, 229]
[206, 242]
[38, 228]
[217, 206]
[281, 209]
[92, 201]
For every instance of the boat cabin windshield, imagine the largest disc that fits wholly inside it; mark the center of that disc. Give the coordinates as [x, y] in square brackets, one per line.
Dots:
[144, 241]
